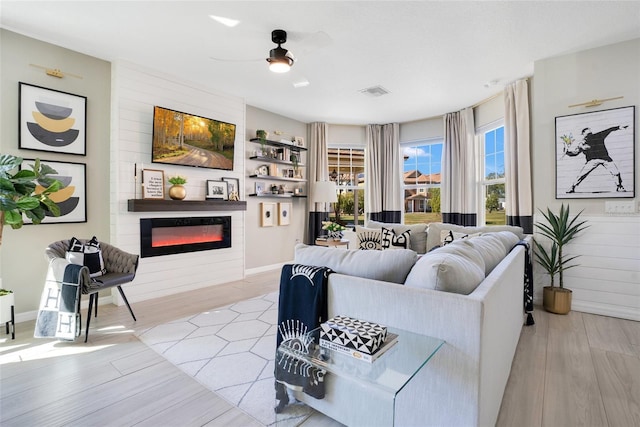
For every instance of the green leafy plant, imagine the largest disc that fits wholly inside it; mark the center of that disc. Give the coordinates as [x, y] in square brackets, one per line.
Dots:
[177, 180]
[560, 229]
[25, 191]
[4, 292]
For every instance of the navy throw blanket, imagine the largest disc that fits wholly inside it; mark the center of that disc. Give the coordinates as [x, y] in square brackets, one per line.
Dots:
[528, 282]
[302, 307]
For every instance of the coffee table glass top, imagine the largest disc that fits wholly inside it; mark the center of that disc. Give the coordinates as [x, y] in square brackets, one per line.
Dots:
[389, 372]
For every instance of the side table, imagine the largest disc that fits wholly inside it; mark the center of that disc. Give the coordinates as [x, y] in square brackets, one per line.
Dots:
[332, 243]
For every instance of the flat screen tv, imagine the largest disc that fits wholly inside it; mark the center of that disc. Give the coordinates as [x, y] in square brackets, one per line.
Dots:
[188, 140]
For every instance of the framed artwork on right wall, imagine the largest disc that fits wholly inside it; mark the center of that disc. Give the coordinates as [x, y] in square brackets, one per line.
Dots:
[595, 154]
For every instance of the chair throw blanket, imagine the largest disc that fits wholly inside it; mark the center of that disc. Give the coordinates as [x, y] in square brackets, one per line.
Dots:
[528, 282]
[302, 307]
[59, 313]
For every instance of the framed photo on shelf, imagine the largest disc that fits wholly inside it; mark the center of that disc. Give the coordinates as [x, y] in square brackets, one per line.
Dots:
[260, 188]
[299, 141]
[217, 190]
[233, 188]
[267, 214]
[595, 154]
[152, 184]
[284, 213]
[72, 196]
[50, 120]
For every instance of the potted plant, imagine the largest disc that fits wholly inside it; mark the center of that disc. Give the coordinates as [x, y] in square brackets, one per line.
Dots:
[262, 135]
[559, 229]
[25, 192]
[177, 190]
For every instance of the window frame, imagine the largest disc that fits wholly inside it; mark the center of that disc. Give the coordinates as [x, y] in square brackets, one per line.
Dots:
[354, 188]
[426, 187]
[482, 182]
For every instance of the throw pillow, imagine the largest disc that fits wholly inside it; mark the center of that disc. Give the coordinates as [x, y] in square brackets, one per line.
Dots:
[369, 239]
[433, 231]
[418, 239]
[447, 272]
[490, 248]
[391, 240]
[448, 236]
[88, 254]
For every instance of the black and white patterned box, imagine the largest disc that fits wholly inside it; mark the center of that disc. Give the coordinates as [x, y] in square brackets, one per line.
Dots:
[360, 335]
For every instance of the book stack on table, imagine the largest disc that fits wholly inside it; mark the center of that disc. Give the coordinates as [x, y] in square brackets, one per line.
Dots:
[360, 339]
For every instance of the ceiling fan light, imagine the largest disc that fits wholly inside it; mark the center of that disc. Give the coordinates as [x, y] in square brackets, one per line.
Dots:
[278, 66]
[280, 60]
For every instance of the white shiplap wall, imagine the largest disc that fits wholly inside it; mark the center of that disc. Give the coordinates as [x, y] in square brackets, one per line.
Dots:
[135, 91]
[607, 280]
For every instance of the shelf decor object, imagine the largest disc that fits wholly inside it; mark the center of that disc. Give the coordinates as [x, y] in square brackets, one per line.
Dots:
[152, 184]
[50, 120]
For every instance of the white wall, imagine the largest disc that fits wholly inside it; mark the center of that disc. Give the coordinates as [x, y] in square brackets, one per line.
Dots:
[269, 247]
[22, 265]
[608, 280]
[135, 91]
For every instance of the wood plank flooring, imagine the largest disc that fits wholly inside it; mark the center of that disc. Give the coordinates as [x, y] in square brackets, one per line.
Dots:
[579, 369]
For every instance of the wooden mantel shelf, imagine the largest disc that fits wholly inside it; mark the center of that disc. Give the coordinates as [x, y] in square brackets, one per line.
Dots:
[144, 205]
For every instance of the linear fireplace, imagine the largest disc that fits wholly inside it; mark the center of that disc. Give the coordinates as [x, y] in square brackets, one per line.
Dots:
[165, 236]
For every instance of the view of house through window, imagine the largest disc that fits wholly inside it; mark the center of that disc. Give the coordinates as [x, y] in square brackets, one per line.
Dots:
[492, 177]
[422, 167]
[346, 169]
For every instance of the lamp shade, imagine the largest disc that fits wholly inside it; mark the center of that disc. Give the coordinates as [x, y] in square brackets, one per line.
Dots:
[324, 192]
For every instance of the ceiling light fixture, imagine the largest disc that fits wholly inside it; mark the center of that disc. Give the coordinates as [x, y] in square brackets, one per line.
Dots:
[225, 21]
[280, 59]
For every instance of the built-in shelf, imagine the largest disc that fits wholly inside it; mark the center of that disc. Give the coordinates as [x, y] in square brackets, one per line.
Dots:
[284, 196]
[272, 160]
[277, 178]
[278, 144]
[145, 205]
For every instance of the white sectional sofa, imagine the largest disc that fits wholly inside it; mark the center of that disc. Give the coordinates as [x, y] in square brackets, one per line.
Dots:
[463, 384]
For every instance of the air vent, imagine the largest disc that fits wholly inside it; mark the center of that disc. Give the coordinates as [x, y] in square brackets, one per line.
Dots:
[374, 91]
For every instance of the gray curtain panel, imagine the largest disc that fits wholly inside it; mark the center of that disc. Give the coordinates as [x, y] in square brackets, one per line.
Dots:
[519, 204]
[317, 170]
[384, 169]
[459, 191]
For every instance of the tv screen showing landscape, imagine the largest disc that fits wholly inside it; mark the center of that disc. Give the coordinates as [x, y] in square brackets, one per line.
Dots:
[188, 140]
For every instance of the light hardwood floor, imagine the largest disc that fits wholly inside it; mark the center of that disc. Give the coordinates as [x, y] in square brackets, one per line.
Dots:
[574, 370]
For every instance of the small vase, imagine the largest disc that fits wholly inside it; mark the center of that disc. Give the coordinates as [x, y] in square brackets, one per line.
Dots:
[335, 235]
[177, 192]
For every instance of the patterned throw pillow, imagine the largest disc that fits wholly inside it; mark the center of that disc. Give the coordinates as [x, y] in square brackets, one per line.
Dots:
[391, 240]
[369, 239]
[88, 254]
[448, 236]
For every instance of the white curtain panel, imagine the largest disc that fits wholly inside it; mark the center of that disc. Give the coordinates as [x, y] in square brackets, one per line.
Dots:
[384, 169]
[459, 191]
[519, 203]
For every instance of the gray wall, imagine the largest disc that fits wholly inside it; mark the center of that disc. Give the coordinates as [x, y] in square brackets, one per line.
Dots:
[23, 267]
[270, 246]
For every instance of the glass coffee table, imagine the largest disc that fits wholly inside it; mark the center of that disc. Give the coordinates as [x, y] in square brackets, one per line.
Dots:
[381, 380]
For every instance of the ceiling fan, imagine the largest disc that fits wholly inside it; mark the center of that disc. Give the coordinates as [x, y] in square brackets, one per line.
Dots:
[280, 59]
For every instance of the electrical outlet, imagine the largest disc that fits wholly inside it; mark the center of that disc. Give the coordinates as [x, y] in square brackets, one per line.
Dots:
[626, 207]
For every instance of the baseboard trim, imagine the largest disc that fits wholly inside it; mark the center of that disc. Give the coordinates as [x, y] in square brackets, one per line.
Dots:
[26, 316]
[628, 313]
[265, 268]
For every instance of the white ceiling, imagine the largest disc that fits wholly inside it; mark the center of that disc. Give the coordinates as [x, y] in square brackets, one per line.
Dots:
[433, 56]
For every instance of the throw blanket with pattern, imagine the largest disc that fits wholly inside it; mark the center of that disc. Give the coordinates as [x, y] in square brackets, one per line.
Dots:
[59, 313]
[302, 307]
[528, 282]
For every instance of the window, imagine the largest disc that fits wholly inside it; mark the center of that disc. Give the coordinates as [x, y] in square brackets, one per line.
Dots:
[491, 173]
[346, 169]
[421, 179]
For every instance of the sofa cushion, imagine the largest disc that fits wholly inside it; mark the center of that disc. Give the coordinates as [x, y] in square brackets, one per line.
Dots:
[447, 271]
[449, 236]
[391, 240]
[507, 238]
[418, 236]
[369, 239]
[490, 247]
[388, 266]
[435, 228]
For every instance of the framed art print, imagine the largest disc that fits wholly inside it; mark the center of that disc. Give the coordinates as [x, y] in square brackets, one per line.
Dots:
[595, 154]
[72, 196]
[267, 214]
[50, 120]
[152, 184]
[217, 190]
[284, 213]
[233, 188]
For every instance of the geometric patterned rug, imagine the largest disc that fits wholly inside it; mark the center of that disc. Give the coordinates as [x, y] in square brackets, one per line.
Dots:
[231, 351]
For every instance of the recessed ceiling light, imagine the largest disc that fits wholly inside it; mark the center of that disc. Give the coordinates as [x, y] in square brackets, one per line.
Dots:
[225, 21]
[301, 83]
[374, 91]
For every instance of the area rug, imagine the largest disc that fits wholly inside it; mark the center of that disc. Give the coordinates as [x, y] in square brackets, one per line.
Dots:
[231, 351]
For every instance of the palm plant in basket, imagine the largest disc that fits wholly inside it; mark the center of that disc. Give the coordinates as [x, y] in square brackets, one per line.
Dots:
[560, 229]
